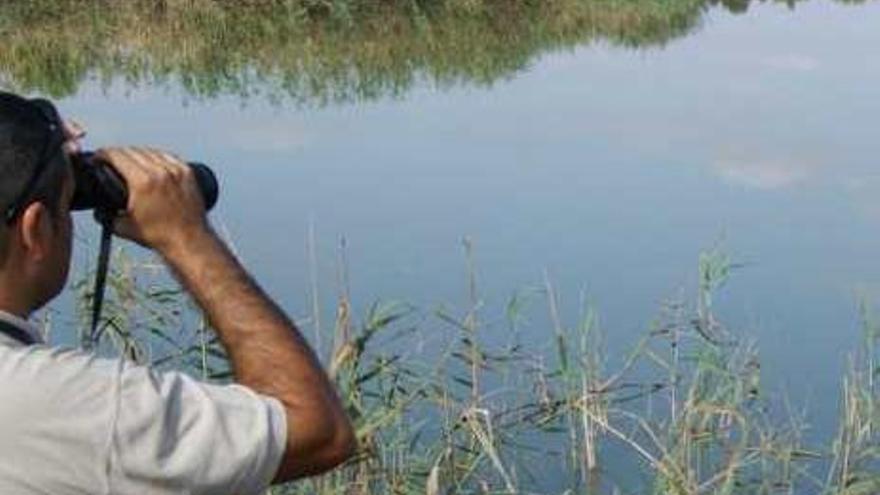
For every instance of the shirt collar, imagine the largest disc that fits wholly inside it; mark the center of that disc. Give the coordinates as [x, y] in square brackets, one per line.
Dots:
[22, 324]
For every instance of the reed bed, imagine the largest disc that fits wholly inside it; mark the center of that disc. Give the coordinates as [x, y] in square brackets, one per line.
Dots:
[684, 412]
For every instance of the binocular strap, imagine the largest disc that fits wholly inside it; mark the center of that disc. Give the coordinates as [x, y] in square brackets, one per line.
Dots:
[106, 222]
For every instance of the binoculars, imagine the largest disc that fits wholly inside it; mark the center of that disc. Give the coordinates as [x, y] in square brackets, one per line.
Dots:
[100, 187]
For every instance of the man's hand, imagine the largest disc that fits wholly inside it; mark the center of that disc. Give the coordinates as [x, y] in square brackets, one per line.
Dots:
[165, 205]
[74, 133]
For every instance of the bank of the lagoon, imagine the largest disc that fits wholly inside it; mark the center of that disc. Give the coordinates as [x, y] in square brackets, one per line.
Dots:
[589, 151]
[317, 52]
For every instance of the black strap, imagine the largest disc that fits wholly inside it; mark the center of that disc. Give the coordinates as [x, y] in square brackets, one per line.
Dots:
[16, 333]
[106, 221]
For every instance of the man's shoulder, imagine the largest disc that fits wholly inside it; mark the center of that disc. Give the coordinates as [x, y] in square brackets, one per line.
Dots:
[138, 424]
[58, 407]
[59, 378]
[44, 362]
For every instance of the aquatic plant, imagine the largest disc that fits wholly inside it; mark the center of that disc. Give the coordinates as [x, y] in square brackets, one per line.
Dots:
[685, 409]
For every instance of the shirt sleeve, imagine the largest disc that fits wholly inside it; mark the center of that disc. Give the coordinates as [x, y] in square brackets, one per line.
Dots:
[175, 435]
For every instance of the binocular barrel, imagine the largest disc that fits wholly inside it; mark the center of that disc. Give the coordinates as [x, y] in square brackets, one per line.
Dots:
[100, 187]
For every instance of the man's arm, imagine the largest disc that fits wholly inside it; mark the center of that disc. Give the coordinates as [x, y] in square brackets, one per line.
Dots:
[268, 353]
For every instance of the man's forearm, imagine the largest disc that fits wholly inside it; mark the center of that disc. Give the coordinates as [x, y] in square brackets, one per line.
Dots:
[252, 328]
[268, 353]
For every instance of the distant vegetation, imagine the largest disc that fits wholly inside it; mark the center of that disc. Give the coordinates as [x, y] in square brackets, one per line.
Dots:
[314, 51]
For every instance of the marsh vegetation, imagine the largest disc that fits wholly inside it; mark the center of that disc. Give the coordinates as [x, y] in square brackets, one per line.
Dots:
[440, 411]
[315, 52]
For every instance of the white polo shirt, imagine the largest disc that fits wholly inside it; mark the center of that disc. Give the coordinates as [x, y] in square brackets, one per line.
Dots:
[72, 423]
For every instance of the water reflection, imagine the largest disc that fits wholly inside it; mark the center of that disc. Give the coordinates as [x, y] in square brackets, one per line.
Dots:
[317, 56]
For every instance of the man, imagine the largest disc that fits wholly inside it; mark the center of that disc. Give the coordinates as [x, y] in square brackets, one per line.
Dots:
[73, 423]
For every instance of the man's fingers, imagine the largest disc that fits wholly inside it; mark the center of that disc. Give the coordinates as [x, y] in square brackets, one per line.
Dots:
[169, 157]
[129, 168]
[74, 132]
[121, 160]
[144, 167]
[139, 156]
[172, 160]
[156, 160]
[161, 159]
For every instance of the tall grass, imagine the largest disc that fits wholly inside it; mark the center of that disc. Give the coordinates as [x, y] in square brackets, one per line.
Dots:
[684, 412]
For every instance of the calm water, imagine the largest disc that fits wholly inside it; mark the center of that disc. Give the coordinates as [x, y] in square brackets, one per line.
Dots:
[611, 168]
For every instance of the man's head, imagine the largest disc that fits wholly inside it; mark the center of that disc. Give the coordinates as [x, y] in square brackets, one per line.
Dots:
[36, 186]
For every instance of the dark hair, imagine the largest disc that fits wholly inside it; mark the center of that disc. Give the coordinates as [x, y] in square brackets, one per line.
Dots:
[25, 133]
[26, 130]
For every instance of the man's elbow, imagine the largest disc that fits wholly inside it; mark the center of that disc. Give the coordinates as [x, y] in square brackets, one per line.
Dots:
[342, 446]
[317, 446]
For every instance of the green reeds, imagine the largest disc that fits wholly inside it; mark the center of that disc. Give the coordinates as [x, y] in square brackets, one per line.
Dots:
[684, 409]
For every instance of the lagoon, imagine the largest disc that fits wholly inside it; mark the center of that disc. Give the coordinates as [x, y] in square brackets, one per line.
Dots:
[602, 160]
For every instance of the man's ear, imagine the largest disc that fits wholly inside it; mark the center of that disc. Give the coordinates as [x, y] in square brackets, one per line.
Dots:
[35, 231]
